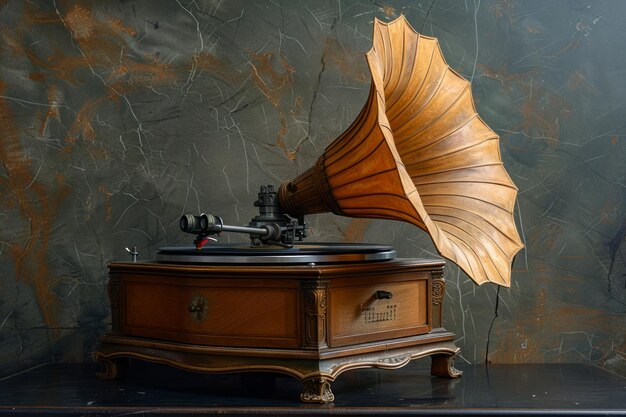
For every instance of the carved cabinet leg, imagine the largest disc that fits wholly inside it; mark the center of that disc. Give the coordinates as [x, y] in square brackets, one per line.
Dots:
[114, 368]
[443, 366]
[317, 390]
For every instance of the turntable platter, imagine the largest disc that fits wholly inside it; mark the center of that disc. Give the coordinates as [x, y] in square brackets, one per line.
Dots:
[303, 253]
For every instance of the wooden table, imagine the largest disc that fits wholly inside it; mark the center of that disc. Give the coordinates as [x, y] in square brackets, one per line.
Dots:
[157, 390]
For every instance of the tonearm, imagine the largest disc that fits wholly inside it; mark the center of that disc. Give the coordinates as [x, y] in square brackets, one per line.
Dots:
[271, 227]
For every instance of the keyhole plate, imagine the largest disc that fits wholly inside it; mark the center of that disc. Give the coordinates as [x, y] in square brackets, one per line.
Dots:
[198, 307]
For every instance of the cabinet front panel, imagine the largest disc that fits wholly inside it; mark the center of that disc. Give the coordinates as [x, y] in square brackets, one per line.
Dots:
[218, 316]
[367, 313]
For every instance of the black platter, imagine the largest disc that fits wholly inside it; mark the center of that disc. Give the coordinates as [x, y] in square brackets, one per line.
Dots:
[302, 253]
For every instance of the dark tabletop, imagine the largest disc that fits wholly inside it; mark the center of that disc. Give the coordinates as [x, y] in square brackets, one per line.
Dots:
[148, 389]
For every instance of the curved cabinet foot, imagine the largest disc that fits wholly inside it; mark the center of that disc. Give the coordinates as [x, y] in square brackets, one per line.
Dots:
[443, 366]
[317, 390]
[114, 368]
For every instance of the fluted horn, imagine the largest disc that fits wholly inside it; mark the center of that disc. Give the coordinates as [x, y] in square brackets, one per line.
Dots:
[419, 152]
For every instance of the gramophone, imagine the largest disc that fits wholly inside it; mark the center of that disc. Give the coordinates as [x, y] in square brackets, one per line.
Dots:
[418, 152]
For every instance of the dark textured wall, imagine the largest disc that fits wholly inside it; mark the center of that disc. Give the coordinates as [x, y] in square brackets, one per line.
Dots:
[118, 116]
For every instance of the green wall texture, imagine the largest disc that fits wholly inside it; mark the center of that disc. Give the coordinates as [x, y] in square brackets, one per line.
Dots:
[118, 116]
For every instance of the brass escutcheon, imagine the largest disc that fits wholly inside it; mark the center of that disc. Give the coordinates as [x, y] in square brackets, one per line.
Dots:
[198, 307]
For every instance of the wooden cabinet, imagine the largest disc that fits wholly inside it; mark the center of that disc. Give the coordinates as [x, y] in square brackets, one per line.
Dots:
[309, 321]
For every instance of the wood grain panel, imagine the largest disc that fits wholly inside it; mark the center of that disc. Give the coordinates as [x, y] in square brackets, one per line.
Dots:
[234, 316]
[357, 316]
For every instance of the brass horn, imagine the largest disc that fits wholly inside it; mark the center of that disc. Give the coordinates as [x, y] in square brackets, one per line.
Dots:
[418, 152]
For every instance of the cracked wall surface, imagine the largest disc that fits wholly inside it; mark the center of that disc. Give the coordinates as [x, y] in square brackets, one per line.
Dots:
[117, 117]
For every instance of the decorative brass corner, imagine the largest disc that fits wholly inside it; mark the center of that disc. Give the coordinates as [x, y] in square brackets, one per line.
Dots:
[114, 368]
[443, 366]
[317, 390]
[315, 295]
[113, 289]
[439, 286]
[438, 291]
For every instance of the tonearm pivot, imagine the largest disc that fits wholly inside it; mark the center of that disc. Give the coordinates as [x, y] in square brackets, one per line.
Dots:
[271, 227]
